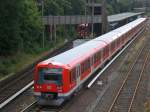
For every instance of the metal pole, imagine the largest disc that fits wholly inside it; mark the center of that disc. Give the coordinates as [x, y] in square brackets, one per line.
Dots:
[104, 18]
[85, 10]
[55, 33]
[43, 43]
[51, 33]
[92, 18]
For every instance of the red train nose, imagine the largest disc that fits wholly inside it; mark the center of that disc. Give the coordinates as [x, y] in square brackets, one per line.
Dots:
[50, 87]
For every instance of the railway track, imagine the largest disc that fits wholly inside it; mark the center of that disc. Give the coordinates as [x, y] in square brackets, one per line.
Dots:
[131, 107]
[12, 85]
[30, 107]
[33, 107]
[124, 99]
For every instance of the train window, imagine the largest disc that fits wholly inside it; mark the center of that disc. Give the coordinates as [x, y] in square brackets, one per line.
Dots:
[113, 45]
[54, 70]
[85, 65]
[118, 42]
[88, 64]
[82, 67]
[51, 70]
[104, 53]
[97, 57]
[40, 78]
[73, 75]
[53, 77]
[50, 75]
[106, 50]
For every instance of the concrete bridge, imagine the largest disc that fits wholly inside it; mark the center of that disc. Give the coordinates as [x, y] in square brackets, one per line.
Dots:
[80, 19]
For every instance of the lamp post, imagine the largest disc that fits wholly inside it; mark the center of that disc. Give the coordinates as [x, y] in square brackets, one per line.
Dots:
[43, 39]
[92, 18]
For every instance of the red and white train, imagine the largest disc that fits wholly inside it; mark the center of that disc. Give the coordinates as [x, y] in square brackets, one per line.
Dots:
[59, 77]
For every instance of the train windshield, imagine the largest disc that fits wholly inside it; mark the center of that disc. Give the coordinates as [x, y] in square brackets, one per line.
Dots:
[50, 75]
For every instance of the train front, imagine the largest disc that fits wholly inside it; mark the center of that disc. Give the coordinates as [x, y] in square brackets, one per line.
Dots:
[48, 84]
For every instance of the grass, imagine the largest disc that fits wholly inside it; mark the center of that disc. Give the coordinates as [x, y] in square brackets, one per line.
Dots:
[12, 64]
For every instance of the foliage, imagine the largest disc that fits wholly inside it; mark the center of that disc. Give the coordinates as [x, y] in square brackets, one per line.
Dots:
[114, 5]
[110, 9]
[119, 6]
[31, 25]
[9, 27]
[20, 26]
[55, 7]
[63, 7]
[78, 6]
[125, 5]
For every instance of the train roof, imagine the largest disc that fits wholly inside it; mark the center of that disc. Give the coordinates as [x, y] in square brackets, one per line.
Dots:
[123, 16]
[72, 54]
[113, 35]
[90, 47]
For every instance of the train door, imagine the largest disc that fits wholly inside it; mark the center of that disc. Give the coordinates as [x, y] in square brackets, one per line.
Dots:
[78, 72]
[102, 55]
[109, 49]
[92, 63]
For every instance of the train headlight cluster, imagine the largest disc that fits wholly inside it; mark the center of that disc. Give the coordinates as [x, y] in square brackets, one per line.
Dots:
[48, 87]
[39, 87]
[59, 88]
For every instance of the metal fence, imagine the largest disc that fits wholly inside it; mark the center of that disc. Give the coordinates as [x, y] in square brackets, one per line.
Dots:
[78, 19]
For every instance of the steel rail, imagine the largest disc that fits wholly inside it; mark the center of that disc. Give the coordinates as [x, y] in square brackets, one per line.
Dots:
[28, 108]
[137, 86]
[125, 80]
[16, 95]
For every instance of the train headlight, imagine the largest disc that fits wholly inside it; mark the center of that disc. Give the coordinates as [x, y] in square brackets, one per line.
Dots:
[59, 89]
[39, 87]
[49, 87]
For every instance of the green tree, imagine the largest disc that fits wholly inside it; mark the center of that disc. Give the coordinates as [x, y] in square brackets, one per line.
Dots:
[56, 7]
[118, 6]
[20, 25]
[78, 6]
[30, 25]
[9, 26]
[64, 7]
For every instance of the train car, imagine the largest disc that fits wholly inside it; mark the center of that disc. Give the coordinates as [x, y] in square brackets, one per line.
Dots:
[57, 78]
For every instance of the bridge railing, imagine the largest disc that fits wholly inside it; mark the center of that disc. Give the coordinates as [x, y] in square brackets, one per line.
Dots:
[78, 19]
